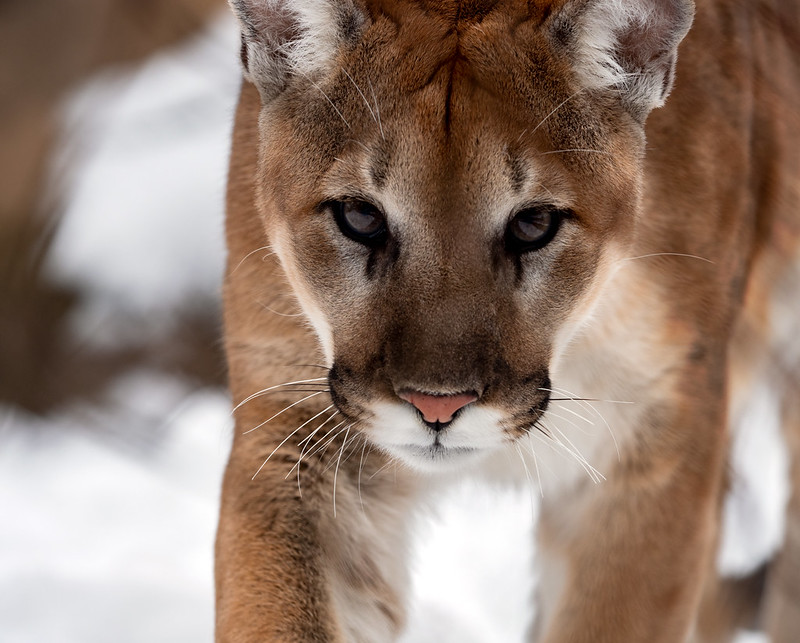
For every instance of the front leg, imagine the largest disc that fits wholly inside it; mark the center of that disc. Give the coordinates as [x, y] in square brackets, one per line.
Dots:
[287, 568]
[627, 558]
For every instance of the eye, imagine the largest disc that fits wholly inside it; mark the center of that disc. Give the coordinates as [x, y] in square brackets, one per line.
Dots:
[533, 228]
[360, 221]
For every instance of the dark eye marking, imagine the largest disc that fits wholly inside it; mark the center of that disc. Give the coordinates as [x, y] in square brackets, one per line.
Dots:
[360, 221]
[532, 228]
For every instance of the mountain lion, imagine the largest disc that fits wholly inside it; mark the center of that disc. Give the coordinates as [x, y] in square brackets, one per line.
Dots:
[464, 241]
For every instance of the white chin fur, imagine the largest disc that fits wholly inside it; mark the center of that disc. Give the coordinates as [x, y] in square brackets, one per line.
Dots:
[398, 430]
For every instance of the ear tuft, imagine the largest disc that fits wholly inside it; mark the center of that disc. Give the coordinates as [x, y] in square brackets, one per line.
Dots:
[632, 46]
[285, 37]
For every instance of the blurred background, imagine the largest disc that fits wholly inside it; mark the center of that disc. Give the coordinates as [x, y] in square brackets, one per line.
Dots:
[115, 118]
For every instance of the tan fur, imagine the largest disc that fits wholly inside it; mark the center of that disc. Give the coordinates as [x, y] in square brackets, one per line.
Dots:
[669, 290]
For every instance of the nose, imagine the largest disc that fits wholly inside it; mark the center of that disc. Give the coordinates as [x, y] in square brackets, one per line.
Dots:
[438, 408]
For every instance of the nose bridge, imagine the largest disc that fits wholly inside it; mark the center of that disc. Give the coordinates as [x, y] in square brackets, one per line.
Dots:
[446, 333]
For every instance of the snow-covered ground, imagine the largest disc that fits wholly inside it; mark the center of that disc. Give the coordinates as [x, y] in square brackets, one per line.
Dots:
[107, 535]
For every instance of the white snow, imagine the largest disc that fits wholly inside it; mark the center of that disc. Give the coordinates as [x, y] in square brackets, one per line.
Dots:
[100, 543]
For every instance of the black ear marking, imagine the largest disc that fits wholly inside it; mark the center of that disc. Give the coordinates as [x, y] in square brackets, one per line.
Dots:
[244, 55]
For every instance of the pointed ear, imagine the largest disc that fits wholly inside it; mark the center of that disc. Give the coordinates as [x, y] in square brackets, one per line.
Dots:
[285, 37]
[630, 45]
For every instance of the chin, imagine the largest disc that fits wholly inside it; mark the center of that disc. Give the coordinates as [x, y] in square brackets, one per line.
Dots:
[435, 458]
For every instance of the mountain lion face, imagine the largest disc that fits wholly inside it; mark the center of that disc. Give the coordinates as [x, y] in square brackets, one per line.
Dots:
[447, 200]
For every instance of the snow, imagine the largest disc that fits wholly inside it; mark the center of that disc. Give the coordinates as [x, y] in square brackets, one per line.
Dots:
[108, 513]
[105, 540]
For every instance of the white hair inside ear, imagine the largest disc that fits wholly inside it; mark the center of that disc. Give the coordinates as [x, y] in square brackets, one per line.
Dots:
[286, 37]
[631, 46]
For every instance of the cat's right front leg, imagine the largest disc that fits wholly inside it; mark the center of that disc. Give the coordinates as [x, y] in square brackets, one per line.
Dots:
[293, 564]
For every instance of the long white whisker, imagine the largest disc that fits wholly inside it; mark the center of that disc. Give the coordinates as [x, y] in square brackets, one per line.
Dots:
[304, 424]
[327, 98]
[264, 391]
[360, 93]
[263, 464]
[252, 253]
[565, 452]
[550, 412]
[377, 109]
[555, 109]
[528, 476]
[594, 474]
[575, 413]
[592, 409]
[326, 440]
[575, 149]
[296, 465]
[575, 398]
[293, 404]
[385, 465]
[360, 470]
[667, 254]
[336, 471]
[330, 417]
[276, 312]
[536, 467]
[544, 439]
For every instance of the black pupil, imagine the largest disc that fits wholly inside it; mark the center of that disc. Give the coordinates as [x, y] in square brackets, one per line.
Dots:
[362, 218]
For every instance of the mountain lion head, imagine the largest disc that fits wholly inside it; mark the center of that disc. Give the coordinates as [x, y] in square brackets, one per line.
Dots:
[448, 186]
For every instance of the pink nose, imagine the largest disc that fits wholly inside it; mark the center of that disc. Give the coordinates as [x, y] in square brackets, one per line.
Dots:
[438, 408]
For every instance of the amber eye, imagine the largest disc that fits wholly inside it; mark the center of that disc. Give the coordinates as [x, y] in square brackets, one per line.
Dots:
[360, 221]
[533, 228]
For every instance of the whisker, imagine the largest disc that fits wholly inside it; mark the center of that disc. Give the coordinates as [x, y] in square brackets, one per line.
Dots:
[300, 389]
[571, 398]
[272, 310]
[360, 93]
[303, 450]
[555, 109]
[543, 437]
[576, 414]
[530, 480]
[389, 461]
[593, 473]
[592, 409]
[347, 455]
[250, 254]
[561, 417]
[377, 109]
[263, 464]
[293, 404]
[296, 465]
[575, 149]
[327, 98]
[667, 254]
[325, 441]
[330, 417]
[336, 471]
[360, 470]
[272, 388]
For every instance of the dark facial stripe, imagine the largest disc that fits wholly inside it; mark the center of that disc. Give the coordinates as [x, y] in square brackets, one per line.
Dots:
[379, 170]
[517, 173]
